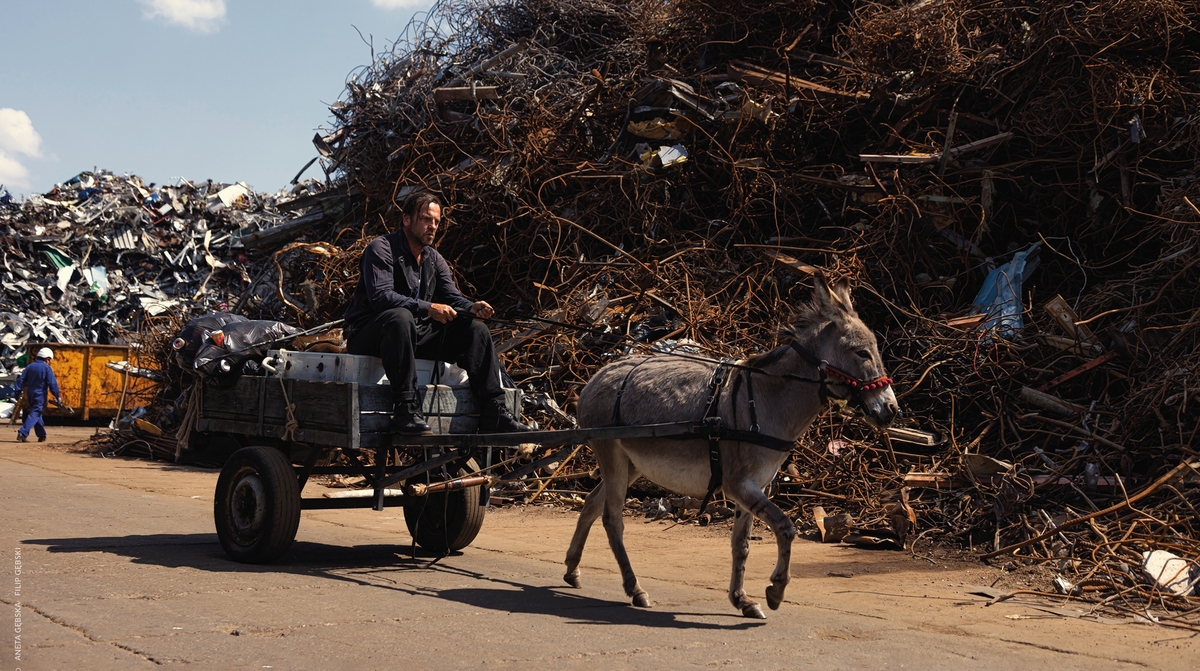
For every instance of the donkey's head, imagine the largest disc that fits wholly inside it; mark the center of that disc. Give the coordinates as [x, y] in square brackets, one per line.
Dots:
[831, 329]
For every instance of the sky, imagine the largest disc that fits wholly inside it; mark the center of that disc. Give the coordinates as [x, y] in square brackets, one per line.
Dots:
[228, 90]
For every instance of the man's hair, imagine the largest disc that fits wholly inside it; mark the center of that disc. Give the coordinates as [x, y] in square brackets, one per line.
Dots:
[417, 201]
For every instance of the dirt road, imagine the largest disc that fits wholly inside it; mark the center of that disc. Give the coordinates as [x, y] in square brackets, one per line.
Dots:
[119, 568]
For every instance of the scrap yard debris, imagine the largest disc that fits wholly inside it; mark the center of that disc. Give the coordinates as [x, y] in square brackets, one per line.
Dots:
[102, 253]
[1011, 186]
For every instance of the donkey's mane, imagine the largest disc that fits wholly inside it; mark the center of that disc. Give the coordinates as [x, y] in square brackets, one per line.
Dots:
[808, 316]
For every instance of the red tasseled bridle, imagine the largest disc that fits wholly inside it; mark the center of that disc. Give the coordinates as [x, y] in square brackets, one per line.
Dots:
[829, 370]
[864, 385]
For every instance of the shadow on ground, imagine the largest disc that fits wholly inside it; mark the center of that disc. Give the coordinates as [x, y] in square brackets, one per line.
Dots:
[377, 566]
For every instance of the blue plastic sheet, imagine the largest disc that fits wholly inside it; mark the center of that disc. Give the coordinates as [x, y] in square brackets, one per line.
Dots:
[1000, 296]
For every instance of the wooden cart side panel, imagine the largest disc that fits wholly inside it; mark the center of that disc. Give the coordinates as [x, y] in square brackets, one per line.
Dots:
[256, 406]
[340, 414]
[435, 400]
[322, 406]
[376, 422]
[239, 402]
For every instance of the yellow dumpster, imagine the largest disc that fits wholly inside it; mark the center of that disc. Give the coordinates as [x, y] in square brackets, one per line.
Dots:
[89, 387]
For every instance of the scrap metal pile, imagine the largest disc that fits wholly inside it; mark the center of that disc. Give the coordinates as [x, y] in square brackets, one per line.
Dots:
[94, 258]
[109, 259]
[665, 171]
[1011, 186]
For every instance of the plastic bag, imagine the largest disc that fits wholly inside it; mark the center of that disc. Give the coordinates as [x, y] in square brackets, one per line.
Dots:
[196, 333]
[232, 348]
[1000, 296]
[226, 344]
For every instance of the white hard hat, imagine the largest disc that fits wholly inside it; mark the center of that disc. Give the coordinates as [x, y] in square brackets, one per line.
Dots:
[45, 353]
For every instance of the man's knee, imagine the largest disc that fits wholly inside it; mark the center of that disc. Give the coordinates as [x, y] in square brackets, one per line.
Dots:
[398, 326]
[479, 330]
[398, 318]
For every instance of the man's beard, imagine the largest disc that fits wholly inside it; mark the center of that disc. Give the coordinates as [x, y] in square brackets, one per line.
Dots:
[424, 239]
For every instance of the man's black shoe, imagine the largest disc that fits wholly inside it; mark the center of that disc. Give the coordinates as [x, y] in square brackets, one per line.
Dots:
[501, 422]
[409, 423]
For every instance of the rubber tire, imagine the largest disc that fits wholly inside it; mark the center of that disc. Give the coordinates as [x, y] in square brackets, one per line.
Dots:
[446, 522]
[257, 505]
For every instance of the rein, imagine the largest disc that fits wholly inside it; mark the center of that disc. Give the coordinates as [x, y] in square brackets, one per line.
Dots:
[827, 370]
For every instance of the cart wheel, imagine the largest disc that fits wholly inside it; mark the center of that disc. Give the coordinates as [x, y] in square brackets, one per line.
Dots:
[446, 521]
[257, 505]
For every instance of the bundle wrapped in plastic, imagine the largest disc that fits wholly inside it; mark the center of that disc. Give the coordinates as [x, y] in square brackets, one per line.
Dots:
[227, 344]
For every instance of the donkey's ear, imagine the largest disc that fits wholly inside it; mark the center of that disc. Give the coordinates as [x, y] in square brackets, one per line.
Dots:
[841, 289]
[833, 301]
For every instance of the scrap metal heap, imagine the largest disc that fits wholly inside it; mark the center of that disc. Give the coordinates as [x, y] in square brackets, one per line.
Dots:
[672, 171]
[1011, 186]
[101, 252]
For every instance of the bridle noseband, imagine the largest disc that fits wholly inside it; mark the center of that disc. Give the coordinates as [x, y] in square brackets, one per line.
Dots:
[829, 371]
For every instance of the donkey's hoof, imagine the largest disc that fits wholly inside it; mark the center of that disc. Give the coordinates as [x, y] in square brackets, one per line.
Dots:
[774, 596]
[754, 611]
[572, 580]
[641, 600]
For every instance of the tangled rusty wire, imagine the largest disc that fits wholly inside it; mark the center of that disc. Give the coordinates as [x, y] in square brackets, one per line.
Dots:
[911, 147]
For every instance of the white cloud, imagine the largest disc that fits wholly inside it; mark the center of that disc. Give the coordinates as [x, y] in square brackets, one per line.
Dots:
[17, 134]
[202, 16]
[402, 4]
[17, 137]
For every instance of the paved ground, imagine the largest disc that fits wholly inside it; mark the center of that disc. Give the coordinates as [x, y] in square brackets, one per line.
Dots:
[120, 569]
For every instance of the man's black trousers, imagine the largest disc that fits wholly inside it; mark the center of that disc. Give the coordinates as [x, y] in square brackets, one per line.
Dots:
[399, 338]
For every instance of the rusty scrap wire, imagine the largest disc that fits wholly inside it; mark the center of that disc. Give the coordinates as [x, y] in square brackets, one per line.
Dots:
[911, 147]
[558, 210]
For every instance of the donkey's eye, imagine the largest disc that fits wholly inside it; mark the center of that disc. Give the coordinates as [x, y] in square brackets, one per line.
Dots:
[863, 354]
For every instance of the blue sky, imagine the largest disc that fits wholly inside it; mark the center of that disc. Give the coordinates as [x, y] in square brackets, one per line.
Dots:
[229, 90]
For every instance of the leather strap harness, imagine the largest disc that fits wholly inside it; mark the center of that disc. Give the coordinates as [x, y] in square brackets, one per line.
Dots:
[715, 430]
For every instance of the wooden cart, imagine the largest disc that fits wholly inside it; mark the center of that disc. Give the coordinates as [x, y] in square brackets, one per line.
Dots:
[290, 430]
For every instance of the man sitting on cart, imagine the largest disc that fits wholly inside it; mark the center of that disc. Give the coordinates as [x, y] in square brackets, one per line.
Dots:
[407, 306]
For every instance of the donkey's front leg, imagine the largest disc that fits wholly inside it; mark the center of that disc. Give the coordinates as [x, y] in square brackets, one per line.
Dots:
[743, 522]
[785, 532]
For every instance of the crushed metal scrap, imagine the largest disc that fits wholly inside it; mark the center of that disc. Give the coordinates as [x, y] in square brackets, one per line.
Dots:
[89, 261]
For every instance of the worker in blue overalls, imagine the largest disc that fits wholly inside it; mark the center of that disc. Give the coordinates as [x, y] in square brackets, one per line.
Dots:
[35, 380]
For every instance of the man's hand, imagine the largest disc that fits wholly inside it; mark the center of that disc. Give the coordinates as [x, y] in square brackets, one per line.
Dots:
[441, 313]
[482, 310]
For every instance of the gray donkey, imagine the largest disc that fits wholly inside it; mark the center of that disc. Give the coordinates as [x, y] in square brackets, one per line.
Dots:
[764, 403]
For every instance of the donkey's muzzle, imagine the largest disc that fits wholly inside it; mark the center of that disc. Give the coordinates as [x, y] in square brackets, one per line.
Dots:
[883, 409]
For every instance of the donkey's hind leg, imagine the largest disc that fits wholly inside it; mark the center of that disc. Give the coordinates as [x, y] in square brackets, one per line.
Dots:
[753, 499]
[740, 540]
[618, 473]
[593, 505]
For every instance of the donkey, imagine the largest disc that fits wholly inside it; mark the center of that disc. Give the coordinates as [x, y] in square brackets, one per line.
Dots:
[773, 397]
